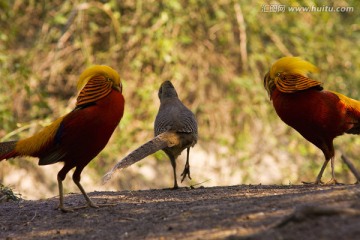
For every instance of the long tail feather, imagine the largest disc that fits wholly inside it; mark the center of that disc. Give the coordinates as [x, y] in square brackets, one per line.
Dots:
[166, 139]
[7, 150]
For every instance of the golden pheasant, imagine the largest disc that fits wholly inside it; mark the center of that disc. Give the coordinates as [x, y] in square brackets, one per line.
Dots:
[79, 136]
[318, 115]
[175, 129]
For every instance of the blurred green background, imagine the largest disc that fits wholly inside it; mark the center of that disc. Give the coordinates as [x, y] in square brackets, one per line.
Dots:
[216, 54]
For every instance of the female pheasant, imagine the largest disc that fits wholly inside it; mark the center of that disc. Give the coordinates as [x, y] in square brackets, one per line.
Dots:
[175, 129]
[79, 136]
[318, 115]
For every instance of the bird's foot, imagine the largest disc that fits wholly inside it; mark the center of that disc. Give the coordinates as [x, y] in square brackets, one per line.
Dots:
[64, 209]
[185, 173]
[93, 205]
[67, 210]
[313, 183]
[106, 205]
[175, 187]
[90, 204]
[333, 181]
[171, 188]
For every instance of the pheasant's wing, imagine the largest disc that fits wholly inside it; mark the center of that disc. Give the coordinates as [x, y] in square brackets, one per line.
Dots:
[188, 122]
[53, 153]
[174, 116]
[56, 151]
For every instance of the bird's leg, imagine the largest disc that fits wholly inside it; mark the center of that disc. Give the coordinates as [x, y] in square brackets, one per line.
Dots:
[173, 164]
[187, 167]
[76, 179]
[318, 178]
[88, 200]
[60, 178]
[333, 179]
[61, 197]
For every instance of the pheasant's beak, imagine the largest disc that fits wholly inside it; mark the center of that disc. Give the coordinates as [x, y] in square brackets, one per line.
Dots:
[118, 87]
[266, 84]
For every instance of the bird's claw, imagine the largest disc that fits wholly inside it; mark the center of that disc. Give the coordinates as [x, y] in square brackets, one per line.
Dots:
[313, 183]
[185, 173]
[333, 181]
[93, 205]
[90, 204]
[65, 210]
[105, 205]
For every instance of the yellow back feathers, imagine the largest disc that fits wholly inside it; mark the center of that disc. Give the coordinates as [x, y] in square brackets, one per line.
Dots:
[35, 143]
[289, 74]
[98, 70]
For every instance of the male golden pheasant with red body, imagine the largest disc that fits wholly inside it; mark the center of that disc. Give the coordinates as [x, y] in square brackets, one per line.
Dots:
[318, 115]
[79, 136]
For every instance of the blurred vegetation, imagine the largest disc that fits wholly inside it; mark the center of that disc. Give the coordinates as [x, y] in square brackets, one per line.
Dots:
[7, 194]
[215, 52]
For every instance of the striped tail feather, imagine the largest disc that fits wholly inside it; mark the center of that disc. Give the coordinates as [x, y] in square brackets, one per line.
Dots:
[7, 150]
[166, 139]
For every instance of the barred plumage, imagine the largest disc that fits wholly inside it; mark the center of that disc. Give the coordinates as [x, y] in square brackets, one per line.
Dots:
[289, 83]
[175, 129]
[289, 75]
[174, 116]
[97, 88]
[161, 141]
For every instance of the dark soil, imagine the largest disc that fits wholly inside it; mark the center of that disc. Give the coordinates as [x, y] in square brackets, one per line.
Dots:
[234, 212]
